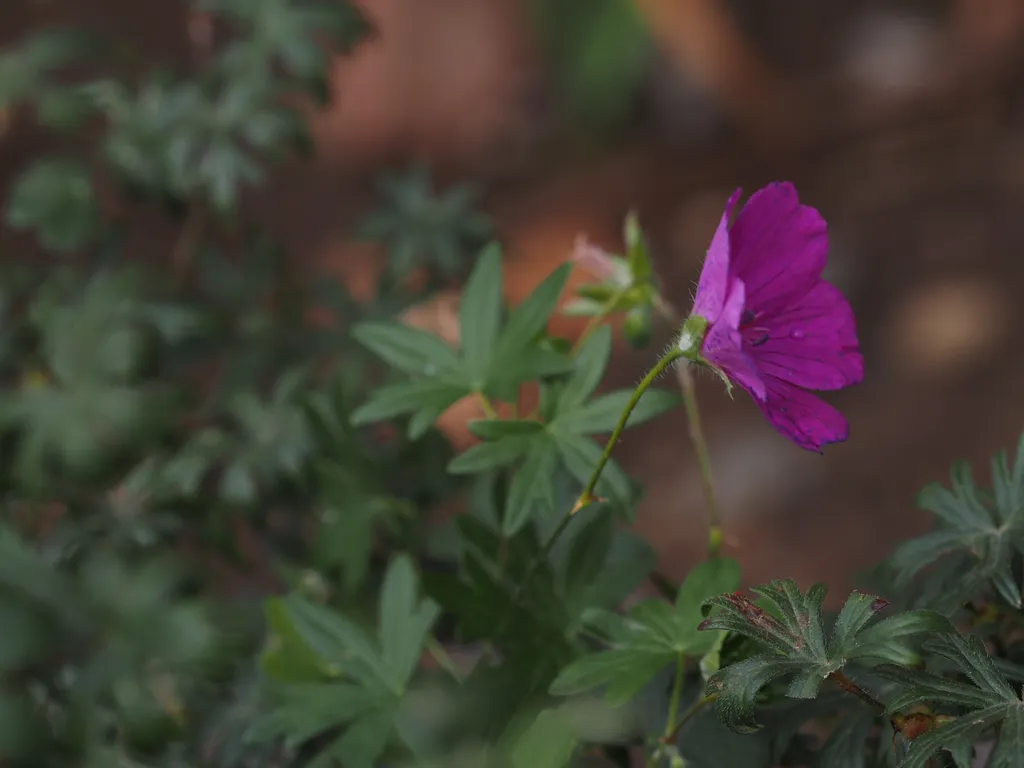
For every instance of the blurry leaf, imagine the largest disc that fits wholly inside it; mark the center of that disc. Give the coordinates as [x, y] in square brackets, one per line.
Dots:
[64, 109]
[652, 636]
[480, 315]
[424, 229]
[499, 368]
[23, 732]
[541, 448]
[24, 70]
[286, 657]
[405, 621]
[287, 32]
[408, 349]
[376, 671]
[548, 742]
[55, 199]
[986, 526]
[516, 358]
[600, 51]
[176, 139]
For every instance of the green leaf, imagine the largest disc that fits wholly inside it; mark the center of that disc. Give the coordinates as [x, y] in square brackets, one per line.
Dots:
[496, 429]
[408, 349]
[630, 561]
[516, 358]
[433, 395]
[797, 644]
[55, 199]
[286, 657]
[488, 456]
[624, 670]
[405, 621]
[987, 527]
[532, 488]
[580, 455]
[603, 413]
[422, 228]
[548, 742]
[706, 580]
[588, 554]
[653, 636]
[590, 365]
[480, 314]
[993, 706]
[25, 69]
[376, 671]
[336, 640]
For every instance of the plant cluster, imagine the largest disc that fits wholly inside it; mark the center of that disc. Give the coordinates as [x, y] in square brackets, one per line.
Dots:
[164, 424]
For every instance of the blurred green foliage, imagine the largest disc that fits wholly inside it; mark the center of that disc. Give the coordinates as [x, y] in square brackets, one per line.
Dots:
[600, 52]
[178, 439]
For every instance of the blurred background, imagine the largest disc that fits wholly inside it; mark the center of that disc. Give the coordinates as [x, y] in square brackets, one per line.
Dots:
[903, 123]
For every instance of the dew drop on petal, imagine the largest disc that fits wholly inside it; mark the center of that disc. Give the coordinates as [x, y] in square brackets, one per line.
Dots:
[796, 334]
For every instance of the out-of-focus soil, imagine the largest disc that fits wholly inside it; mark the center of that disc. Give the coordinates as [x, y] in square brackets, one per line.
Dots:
[922, 184]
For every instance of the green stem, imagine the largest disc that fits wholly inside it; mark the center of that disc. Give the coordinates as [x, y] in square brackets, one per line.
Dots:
[488, 407]
[677, 690]
[689, 390]
[688, 715]
[700, 445]
[587, 497]
[851, 687]
[440, 655]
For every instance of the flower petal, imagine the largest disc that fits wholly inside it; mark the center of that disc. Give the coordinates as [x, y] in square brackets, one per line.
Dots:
[723, 344]
[804, 418]
[812, 344]
[778, 247]
[714, 277]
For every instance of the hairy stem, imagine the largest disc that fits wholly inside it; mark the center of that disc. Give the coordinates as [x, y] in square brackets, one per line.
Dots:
[700, 445]
[587, 496]
[671, 735]
[851, 687]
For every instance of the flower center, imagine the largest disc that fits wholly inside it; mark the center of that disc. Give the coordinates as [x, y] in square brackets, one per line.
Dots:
[754, 335]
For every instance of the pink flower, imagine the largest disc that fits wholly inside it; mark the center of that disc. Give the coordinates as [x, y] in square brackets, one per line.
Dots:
[764, 318]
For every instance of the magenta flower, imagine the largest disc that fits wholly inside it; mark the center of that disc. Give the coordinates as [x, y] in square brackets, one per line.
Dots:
[764, 318]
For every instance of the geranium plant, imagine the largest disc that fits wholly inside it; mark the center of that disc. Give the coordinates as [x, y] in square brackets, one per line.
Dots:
[172, 419]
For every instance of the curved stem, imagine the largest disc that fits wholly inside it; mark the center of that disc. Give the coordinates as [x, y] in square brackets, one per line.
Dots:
[487, 406]
[587, 497]
[440, 655]
[851, 687]
[688, 715]
[700, 445]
